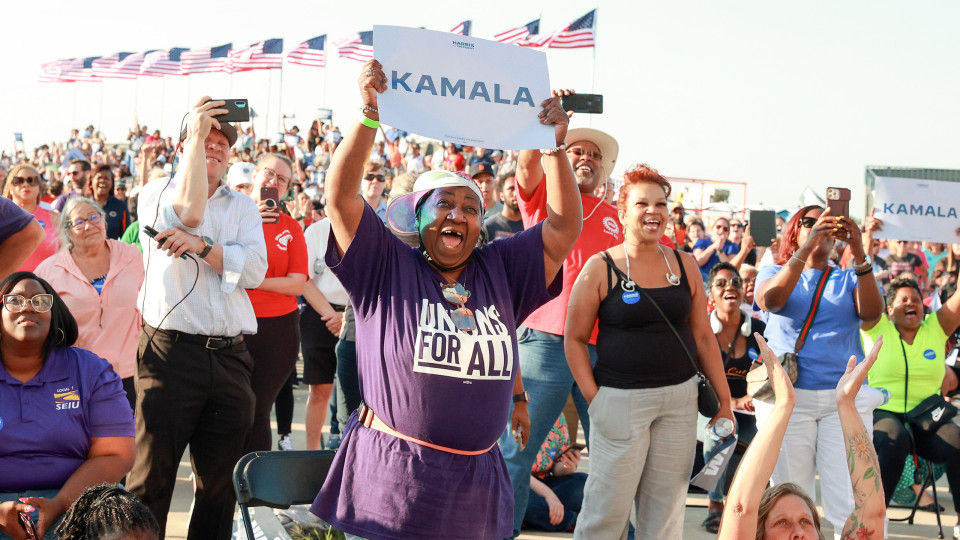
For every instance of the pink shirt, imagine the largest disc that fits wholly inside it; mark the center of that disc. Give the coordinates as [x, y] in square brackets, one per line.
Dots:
[109, 323]
[601, 230]
[50, 242]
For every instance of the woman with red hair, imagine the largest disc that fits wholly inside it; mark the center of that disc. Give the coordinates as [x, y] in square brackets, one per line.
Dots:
[788, 290]
[643, 390]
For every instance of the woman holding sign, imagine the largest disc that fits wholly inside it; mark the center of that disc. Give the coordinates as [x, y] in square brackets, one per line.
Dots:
[809, 297]
[436, 343]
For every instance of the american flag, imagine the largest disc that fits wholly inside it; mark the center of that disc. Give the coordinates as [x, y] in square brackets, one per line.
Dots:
[80, 70]
[309, 53]
[463, 28]
[160, 63]
[263, 55]
[357, 47]
[119, 66]
[53, 71]
[520, 33]
[212, 60]
[579, 34]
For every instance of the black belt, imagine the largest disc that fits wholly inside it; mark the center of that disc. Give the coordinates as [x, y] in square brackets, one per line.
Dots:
[210, 342]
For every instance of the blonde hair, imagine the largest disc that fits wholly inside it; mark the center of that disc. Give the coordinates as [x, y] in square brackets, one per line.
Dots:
[773, 494]
[8, 186]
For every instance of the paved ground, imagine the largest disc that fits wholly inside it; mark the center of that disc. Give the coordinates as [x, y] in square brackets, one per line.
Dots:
[925, 526]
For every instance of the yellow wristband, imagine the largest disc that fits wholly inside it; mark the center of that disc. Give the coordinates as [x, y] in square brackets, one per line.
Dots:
[369, 122]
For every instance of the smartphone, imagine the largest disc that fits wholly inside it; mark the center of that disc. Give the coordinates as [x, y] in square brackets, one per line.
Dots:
[271, 196]
[838, 201]
[27, 525]
[575, 446]
[763, 227]
[237, 111]
[583, 103]
[152, 233]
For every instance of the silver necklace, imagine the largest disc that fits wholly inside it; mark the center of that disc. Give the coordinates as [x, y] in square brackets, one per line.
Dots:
[630, 285]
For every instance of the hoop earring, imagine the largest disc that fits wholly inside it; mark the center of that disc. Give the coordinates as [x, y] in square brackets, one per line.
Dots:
[62, 336]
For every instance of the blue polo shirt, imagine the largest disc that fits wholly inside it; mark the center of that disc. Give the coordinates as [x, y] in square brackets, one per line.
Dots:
[46, 423]
[835, 334]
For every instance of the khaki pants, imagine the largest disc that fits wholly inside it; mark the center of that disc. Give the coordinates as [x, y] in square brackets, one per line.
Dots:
[642, 446]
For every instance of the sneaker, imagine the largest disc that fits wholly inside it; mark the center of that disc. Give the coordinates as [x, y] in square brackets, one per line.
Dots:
[956, 532]
[333, 442]
[285, 443]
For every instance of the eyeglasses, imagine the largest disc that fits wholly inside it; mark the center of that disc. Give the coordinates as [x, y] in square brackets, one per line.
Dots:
[808, 222]
[15, 303]
[722, 228]
[80, 222]
[462, 316]
[721, 283]
[578, 151]
[736, 226]
[270, 174]
[28, 180]
[377, 177]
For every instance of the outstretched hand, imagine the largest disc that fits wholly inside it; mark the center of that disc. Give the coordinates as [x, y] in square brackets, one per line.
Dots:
[852, 380]
[779, 380]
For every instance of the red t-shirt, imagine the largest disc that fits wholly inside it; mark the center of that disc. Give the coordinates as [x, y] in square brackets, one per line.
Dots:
[286, 253]
[601, 231]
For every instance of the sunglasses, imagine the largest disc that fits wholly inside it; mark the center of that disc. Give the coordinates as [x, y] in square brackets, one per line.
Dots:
[80, 222]
[721, 228]
[736, 226]
[377, 177]
[578, 151]
[28, 180]
[15, 303]
[270, 174]
[462, 316]
[808, 222]
[721, 283]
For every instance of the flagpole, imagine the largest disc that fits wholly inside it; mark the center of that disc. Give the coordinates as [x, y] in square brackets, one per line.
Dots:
[266, 119]
[163, 95]
[280, 100]
[593, 74]
[73, 117]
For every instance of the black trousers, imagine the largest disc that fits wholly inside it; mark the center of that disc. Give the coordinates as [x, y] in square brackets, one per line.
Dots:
[274, 349]
[892, 441]
[188, 394]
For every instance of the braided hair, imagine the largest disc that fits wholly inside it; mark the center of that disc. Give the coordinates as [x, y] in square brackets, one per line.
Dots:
[103, 510]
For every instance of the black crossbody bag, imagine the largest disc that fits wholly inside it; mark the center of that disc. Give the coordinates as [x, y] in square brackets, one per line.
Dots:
[707, 402]
[929, 414]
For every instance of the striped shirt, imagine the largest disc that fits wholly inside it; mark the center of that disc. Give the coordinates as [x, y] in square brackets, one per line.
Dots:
[219, 305]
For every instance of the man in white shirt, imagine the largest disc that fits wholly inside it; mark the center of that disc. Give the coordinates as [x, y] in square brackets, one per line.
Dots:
[193, 368]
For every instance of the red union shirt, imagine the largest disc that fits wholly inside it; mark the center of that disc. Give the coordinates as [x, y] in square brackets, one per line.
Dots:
[286, 253]
[601, 230]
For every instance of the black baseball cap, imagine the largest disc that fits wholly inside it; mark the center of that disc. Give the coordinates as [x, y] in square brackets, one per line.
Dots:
[481, 167]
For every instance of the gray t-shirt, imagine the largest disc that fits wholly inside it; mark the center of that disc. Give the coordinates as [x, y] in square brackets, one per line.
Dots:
[499, 226]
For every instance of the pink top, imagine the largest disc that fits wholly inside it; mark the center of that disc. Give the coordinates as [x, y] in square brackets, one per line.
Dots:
[50, 242]
[109, 323]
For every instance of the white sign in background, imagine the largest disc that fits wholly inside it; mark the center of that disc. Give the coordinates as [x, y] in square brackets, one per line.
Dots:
[919, 210]
[463, 89]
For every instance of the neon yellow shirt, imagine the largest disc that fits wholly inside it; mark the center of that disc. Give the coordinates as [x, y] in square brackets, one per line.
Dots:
[925, 356]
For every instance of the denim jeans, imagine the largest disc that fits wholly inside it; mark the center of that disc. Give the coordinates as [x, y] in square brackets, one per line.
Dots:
[547, 377]
[569, 489]
[347, 382]
[746, 430]
[47, 493]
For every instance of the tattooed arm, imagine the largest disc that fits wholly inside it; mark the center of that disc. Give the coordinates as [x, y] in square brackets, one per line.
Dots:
[869, 510]
[753, 474]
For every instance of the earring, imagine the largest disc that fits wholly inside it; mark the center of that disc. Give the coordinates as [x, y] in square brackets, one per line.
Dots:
[62, 336]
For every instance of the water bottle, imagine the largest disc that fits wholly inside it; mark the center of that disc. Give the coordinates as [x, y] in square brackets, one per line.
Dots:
[721, 429]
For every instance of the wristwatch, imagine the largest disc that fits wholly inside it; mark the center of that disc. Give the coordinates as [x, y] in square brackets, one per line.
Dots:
[867, 263]
[207, 246]
[523, 396]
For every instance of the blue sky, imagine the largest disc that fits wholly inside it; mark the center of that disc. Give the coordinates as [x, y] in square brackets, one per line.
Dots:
[780, 95]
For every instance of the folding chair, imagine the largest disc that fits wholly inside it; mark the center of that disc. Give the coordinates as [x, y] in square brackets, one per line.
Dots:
[928, 481]
[279, 479]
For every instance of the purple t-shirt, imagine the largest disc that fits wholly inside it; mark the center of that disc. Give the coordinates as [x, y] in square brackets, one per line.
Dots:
[46, 423]
[430, 381]
[12, 219]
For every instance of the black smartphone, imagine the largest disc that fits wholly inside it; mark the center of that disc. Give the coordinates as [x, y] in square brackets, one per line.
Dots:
[583, 103]
[575, 446]
[238, 110]
[152, 233]
[27, 525]
[763, 227]
[838, 201]
[271, 196]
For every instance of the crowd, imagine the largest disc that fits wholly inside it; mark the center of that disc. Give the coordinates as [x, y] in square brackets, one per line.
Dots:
[448, 303]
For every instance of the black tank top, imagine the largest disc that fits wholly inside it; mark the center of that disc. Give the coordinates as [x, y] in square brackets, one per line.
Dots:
[635, 347]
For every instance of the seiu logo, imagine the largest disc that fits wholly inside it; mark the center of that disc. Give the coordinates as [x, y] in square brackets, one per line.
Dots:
[67, 406]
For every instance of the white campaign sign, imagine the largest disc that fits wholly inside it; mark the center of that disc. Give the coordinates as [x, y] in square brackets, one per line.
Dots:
[463, 89]
[920, 210]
